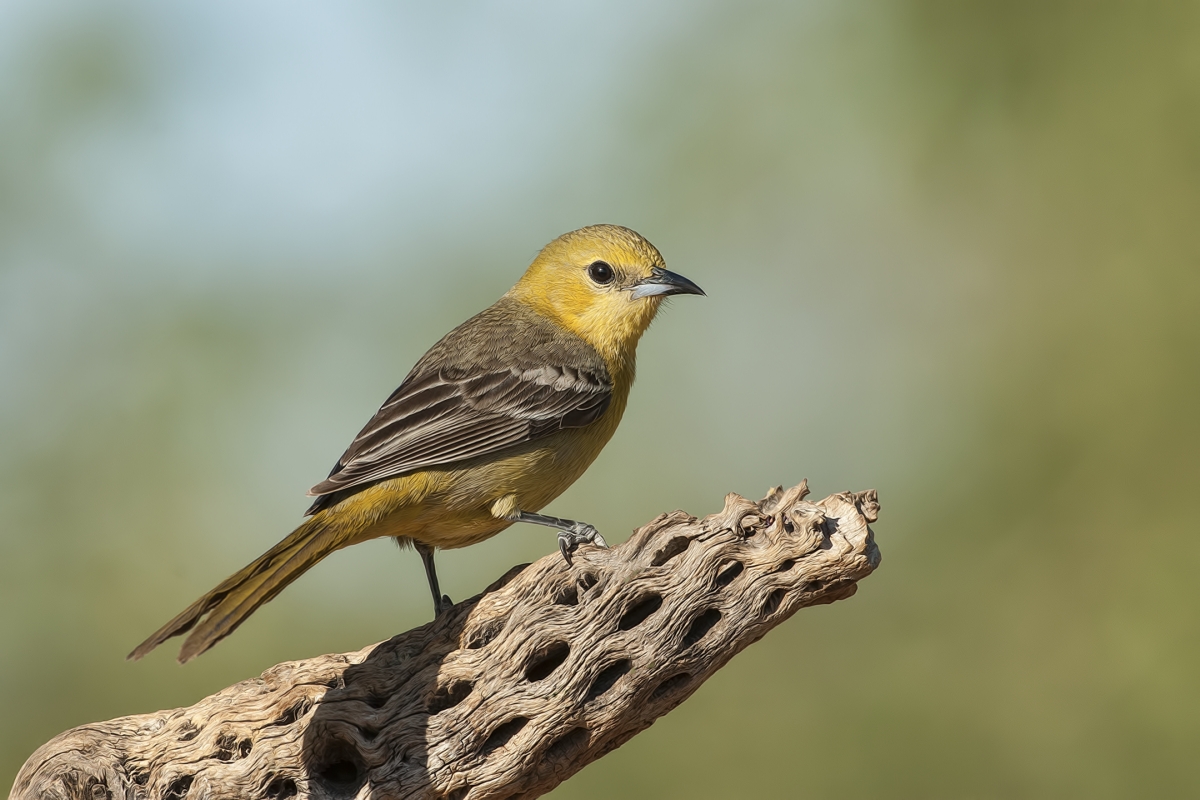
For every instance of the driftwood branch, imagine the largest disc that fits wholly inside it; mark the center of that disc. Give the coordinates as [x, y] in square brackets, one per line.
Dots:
[508, 694]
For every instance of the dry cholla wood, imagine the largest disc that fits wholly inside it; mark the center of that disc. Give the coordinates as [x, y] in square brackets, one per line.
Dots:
[508, 694]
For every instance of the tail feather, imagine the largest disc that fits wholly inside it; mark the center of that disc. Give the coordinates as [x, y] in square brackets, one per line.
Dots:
[218, 613]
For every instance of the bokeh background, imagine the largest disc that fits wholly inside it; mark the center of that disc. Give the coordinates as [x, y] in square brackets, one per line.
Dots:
[951, 252]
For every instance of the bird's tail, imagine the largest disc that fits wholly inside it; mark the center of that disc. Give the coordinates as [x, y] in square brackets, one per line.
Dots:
[218, 613]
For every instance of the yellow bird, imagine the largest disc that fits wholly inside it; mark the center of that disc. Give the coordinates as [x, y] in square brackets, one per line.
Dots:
[494, 422]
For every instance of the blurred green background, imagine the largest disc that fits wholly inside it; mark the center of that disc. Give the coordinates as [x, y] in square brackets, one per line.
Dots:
[950, 249]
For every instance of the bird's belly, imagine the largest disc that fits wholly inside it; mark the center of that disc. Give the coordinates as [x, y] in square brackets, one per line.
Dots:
[458, 507]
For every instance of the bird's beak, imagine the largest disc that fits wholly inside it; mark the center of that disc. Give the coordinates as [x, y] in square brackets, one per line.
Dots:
[664, 282]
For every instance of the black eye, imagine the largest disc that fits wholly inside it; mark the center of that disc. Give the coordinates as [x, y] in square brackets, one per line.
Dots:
[600, 272]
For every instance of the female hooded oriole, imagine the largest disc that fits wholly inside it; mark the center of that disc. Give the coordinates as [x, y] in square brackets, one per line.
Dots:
[494, 422]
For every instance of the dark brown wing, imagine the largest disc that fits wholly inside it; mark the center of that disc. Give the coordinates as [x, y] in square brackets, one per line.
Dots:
[463, 401]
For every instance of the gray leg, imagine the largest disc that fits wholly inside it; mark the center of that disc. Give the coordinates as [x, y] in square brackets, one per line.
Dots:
[441, 602]
[571, 534]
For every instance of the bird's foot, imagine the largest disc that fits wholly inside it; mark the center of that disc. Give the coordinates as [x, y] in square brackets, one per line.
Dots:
[579, 533]
[442, 606]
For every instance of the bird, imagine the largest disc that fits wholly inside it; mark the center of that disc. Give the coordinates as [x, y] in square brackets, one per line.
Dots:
[493, 423]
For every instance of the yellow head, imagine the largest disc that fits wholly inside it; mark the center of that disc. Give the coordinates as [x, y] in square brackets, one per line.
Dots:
[604, 283]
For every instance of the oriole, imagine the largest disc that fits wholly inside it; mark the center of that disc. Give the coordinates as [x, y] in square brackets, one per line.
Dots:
[494, 422]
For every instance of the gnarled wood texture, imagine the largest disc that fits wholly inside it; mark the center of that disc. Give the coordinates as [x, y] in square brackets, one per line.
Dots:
[506, 695]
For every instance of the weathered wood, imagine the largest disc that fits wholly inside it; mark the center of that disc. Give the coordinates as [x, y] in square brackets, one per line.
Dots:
[506, 695]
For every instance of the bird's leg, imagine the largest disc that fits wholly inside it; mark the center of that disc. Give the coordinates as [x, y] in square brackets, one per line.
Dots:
[571, 534]
[441, 602]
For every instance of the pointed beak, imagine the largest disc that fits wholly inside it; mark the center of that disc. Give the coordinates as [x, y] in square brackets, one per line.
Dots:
[664, 282]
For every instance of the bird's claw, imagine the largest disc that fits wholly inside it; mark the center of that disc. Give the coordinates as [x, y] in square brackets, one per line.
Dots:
[579, 533]
[442, 606]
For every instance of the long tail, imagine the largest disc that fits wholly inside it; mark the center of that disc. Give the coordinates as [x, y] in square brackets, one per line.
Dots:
[228, 605]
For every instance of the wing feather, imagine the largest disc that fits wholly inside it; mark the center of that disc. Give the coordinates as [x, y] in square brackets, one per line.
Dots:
[459, 409]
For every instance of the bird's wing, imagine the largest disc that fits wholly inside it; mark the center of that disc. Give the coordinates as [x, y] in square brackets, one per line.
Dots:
[443, 416]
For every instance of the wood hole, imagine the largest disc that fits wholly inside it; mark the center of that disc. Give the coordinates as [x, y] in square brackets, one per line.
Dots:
[280, 788]
[569, 745]
[640, 611]
[567, 596]
[727, 574]
[670, 686]
[673, 548]
[178, 788]
[503, 734]
[546, 660]
[229, 748]
[188, 731]
[607, 679]
[485, 633]
[295, 712]
[449, 695]
[339, 768]
[774, 600]
[700, 626]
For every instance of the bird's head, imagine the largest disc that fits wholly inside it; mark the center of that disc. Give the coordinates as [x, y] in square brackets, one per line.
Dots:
[604, 283]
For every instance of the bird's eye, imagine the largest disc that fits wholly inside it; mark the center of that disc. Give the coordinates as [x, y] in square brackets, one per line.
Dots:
[600, 272]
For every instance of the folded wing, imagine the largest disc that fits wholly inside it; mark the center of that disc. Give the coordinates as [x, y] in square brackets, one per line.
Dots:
[439, 417]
